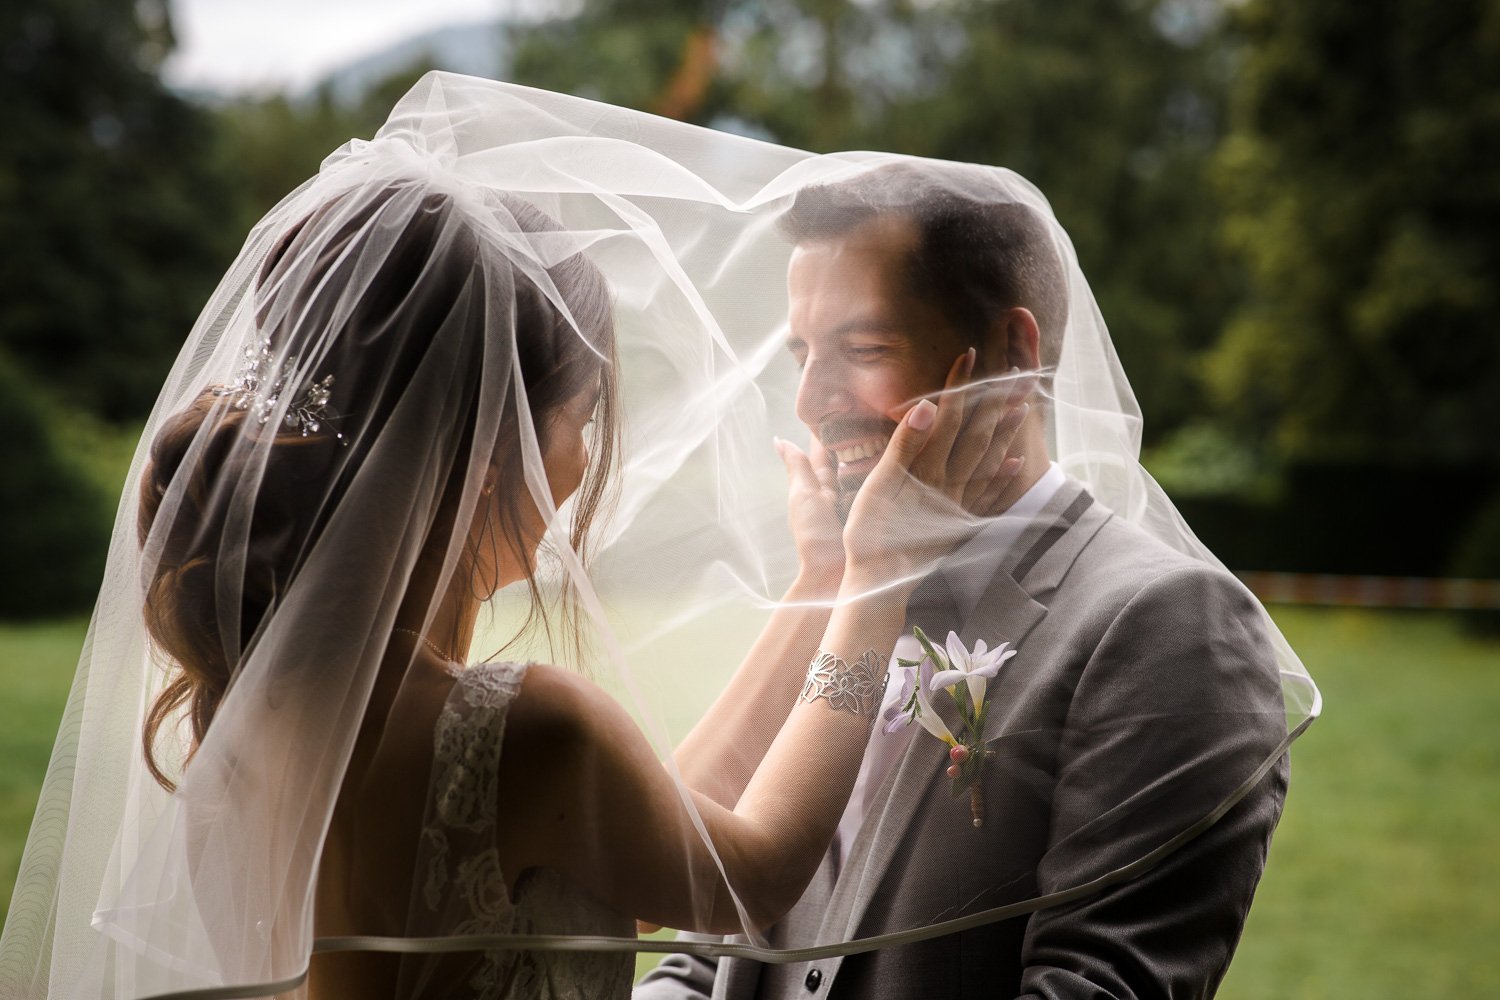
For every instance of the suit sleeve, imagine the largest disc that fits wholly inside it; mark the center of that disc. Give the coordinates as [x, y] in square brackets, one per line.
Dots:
[1176, 708]
[680, 976]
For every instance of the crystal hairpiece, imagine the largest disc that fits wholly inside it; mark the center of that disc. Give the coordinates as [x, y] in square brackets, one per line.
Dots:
[260, 383]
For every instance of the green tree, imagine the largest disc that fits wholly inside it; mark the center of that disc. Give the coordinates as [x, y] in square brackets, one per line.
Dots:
[1113, 108]
[1364, 193]
[113, 215]
[110, 203]
[54, 520]
[271, 144]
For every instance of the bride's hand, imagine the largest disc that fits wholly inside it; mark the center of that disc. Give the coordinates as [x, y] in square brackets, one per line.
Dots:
[946, 465]
[812, 512]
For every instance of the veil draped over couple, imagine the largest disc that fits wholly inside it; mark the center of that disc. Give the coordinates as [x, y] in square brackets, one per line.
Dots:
[856, 644]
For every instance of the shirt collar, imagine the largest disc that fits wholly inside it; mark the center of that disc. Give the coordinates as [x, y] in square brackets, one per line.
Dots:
[971, 566]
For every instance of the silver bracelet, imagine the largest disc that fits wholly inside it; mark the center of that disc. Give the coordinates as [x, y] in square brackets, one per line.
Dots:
[856, 687]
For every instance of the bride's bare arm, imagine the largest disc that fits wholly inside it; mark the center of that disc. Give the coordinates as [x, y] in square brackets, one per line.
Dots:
[728, 743]
[600, 807]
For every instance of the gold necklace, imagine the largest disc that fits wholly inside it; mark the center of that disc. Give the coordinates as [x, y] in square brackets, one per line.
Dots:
[430, 644]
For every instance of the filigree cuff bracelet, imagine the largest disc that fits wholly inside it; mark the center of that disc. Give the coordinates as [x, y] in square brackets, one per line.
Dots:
[856, 687]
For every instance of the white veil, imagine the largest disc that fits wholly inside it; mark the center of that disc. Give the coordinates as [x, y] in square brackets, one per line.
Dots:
[491, 250]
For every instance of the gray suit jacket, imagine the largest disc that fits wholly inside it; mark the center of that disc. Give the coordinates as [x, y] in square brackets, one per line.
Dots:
[1145, 691]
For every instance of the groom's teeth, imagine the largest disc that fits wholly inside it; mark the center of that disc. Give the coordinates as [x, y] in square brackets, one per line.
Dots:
[864, 449]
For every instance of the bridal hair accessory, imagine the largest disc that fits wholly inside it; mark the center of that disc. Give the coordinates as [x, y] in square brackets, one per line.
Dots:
[856, 687]
[260, 383]
[965, 675]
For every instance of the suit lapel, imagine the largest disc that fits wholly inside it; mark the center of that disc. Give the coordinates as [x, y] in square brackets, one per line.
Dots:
[1007, 612]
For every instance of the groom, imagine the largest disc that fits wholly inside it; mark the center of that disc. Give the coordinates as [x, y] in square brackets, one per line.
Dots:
[1145, 692]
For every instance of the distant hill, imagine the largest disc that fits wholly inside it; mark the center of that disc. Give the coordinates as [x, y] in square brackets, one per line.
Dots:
[478, 49]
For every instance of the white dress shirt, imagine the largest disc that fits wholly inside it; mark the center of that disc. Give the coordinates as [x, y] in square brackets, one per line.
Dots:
[967, 572]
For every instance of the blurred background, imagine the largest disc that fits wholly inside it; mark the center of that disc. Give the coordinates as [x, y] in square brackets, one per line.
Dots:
[1288, 211]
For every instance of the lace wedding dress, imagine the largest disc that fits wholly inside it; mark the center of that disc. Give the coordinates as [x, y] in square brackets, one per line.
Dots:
[462, 889]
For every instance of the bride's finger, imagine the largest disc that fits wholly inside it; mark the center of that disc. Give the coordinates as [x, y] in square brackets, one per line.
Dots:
[993, 501]
[931, 465]
[997, 467]
[987, 409]
[909, 440]
[800, 472]
[822, 465]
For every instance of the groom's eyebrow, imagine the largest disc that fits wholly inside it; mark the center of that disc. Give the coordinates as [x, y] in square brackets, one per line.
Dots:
[867, 324]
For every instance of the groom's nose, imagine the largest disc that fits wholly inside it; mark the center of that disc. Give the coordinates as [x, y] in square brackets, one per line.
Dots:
[822, 392]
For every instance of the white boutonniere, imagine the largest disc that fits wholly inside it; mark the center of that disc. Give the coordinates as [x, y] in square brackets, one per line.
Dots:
[964, 674]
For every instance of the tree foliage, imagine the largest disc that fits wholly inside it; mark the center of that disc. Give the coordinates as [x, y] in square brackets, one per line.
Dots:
[111, 205]
[1289, 211]
[271, 144]
[1362, 178]
[54, 520]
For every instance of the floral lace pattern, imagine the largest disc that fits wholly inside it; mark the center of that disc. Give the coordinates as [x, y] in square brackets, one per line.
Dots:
[463, 889]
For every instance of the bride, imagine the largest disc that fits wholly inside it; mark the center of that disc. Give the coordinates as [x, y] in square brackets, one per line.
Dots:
[378, 423]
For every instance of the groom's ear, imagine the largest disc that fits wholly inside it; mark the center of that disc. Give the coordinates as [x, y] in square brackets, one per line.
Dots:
[1013, 340]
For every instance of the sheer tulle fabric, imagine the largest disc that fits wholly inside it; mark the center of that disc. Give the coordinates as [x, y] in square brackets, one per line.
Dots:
[411, 270]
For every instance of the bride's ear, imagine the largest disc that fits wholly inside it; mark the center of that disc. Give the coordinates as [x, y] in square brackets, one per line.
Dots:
[1012, 341]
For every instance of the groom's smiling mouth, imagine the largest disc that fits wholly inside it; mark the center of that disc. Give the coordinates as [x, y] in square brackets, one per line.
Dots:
[853, 459]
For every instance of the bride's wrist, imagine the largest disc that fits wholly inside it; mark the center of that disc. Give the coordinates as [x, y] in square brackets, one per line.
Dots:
[866, 582]
[816, 584]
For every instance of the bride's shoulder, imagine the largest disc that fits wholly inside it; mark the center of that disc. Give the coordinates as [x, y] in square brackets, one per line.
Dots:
[556, 707]
[552, 699]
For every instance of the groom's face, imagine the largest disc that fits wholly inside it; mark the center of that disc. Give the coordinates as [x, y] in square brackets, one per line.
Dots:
[868, 345]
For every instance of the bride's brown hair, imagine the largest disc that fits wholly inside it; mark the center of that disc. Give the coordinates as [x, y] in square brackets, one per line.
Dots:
[198, 454]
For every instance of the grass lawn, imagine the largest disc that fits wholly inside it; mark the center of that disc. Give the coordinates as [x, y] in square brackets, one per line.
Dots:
[1382, 880]
[36, 670]
[1383, 876]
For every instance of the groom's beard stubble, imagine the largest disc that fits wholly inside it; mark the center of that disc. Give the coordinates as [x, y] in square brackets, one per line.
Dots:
[843, 431]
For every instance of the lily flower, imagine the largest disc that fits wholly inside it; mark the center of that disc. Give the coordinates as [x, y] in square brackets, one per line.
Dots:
[975, 667]
[925, 714]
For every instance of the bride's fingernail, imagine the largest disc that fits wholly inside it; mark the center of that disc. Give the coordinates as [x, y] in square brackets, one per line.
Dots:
[919, 417]
[969, 357]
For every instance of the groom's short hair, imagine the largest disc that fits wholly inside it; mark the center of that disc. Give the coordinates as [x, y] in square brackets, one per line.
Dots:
[978, 251]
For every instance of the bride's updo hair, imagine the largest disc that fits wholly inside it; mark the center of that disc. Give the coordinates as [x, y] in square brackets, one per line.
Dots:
[432, 270]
